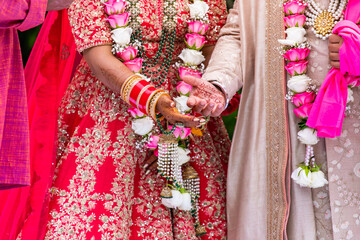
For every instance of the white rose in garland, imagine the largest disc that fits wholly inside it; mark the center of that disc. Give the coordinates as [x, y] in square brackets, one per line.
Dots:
[302, 177]
[191, 57]
[299, 83]
[295, 35]
[198, 9]
[318, 179]
[308, 136]
[181, 104]
[183, 155]
[306, 178]
[186, 203]
[142, 126]
[121, 36]
[175, 201]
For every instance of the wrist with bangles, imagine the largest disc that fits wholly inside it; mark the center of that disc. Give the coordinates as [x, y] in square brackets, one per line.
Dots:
[141, 94]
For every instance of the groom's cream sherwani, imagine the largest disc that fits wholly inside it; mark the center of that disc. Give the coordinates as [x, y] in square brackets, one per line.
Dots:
[262, 201]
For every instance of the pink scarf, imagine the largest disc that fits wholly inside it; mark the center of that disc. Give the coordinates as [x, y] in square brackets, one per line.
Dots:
[47, 74]
[328, 111]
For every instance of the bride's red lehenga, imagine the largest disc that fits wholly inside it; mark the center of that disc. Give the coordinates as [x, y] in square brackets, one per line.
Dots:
[100, 189]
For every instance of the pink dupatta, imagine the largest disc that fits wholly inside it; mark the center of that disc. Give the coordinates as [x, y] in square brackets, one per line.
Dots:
[47, 74]
[327, 113]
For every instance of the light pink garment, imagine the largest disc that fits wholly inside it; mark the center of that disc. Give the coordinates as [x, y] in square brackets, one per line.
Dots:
[327, 113]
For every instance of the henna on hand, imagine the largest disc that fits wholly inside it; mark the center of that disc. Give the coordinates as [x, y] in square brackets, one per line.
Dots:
[205, 98]
[167, 108]
[209, 92]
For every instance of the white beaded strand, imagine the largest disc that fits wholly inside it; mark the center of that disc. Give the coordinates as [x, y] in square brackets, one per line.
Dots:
[314, 11]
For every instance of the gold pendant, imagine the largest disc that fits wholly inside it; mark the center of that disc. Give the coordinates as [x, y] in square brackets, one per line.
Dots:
[324, 24]
[166, 193]
[200, 230]
[190, 173]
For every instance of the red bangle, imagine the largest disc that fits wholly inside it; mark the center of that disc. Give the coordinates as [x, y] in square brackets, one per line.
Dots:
[143, 98]
[135, 91]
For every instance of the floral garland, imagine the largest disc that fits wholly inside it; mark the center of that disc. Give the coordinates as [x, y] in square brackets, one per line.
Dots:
[181, 193]
[302, 90]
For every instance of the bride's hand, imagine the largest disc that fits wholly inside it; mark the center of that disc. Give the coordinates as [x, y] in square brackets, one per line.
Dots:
[167, 108]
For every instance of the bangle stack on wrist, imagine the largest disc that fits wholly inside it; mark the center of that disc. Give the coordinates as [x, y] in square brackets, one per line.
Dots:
[153, 101]
[141, 94]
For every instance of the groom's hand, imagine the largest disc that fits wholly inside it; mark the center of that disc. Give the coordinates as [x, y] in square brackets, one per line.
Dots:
[204, 97]
[335, 42]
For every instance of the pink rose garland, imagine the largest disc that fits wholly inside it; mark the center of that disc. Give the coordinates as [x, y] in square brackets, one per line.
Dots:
[296, 52]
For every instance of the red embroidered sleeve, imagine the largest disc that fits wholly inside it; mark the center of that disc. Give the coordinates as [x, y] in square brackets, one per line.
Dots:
[217, 16]
[87, 19]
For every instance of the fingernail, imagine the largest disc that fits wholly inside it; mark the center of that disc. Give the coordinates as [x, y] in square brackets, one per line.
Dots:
[202, 120]
[211, 105]
[145, 165]
[196, 119]
[172, 105]
[147, 172]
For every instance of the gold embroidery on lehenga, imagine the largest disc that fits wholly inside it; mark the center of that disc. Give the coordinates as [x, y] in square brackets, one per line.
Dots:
[102, 151]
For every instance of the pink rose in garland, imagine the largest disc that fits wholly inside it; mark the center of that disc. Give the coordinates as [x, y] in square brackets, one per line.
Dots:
[183, 88]
[303, 111]
[114, 7]
[127, 54]
[181, 133]
[296, 68]
[135, 113]
[295, 21]
[300, 99]
[185, 71]
[294, 7]
[134, 65]
[198, 27]
[153, 143]
[296, 54]
[119, 20]
[195, 41]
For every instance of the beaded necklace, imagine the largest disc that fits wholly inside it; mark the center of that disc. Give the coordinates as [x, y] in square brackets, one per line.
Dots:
[323, 21]
[166, 45]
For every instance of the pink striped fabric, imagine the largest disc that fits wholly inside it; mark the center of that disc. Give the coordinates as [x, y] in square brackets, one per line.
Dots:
[14, 132]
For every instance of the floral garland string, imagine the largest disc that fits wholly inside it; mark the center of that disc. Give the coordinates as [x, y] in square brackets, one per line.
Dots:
[302, 90]
[173, 153]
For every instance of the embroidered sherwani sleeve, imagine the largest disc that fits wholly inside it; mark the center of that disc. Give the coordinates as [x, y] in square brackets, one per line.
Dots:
[225, 63]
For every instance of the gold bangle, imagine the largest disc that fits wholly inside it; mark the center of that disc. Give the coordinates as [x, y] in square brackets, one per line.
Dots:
[128, 88]
[149, 100]
[126, 83]
[154, 101]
